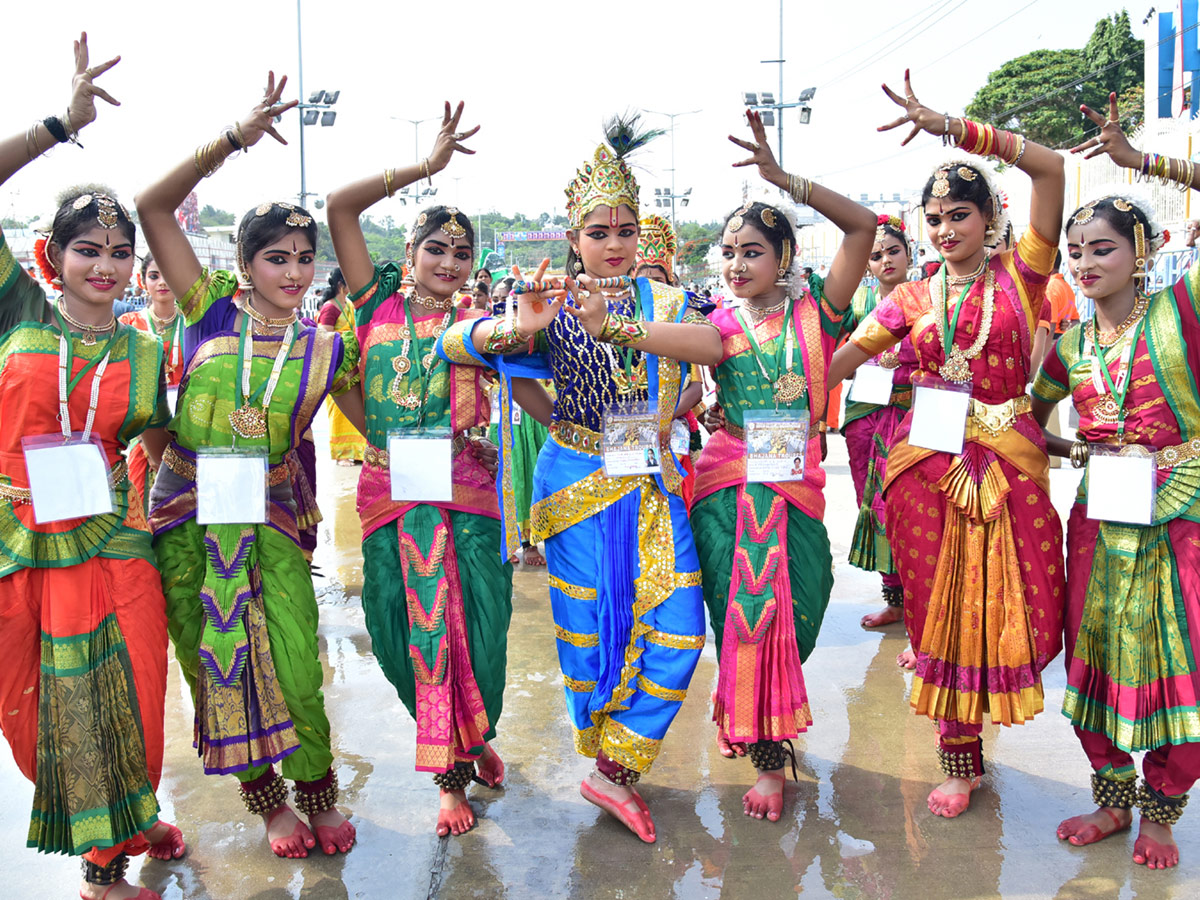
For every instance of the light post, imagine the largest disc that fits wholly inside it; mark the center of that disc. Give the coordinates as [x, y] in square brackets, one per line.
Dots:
[416, 124]
[767, 101]
[317, 107]
[672, 117]
[667, 197]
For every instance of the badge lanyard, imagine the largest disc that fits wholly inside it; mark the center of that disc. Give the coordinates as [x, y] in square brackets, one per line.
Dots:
[1126, 380]
[65, 358]
[176, 338]
[783, 388]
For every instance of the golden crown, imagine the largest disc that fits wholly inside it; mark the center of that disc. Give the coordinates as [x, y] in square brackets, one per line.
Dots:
[605, 181]
[656, 244]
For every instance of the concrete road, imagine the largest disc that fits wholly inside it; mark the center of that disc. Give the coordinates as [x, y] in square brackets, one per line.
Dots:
[855, 826]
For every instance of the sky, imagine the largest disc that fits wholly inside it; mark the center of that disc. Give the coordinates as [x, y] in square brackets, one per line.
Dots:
[539, 76]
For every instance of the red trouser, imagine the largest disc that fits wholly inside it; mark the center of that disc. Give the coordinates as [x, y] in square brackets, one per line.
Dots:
[1171, 769]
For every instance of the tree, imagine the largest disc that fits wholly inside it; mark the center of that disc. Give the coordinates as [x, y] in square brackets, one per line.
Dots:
[212, 216]
[1039, 94]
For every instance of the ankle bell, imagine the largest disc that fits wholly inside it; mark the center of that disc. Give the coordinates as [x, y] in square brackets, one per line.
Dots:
[103, 876]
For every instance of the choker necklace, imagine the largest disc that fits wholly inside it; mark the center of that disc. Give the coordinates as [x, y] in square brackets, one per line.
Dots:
[443, 305]
[1108, 338]
[758, 313]
[963, 280]
[163, 323]
[266, 322]
[89, 331]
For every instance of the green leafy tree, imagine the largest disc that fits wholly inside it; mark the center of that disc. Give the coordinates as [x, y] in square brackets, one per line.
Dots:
[209, 215]
[1039, 94]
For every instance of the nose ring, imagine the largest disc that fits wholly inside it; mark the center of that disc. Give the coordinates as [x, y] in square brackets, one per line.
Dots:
[950, 236]
[742, 269]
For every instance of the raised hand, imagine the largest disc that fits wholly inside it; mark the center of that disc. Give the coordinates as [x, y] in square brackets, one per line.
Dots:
[1111, 139]
[82, 108]
[537, 309]
[922, 117]
[760, 151]
[449, 139]
[262, 117]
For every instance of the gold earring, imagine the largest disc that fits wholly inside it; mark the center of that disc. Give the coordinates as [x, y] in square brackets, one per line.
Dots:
[1139, 250]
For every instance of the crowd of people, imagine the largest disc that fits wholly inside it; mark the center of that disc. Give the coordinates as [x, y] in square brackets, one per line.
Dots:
[190, 509]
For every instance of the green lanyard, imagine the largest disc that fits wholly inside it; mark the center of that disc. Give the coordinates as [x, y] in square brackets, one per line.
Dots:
[104, 351]
[425, 375]
[1118, 398]
[788, 334]
[176, 333]
[951, 326]
[627, 352]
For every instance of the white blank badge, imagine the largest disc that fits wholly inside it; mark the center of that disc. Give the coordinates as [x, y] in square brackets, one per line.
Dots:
[1121, 487]
[68, 479]
[939, 418]
[231, 488]
[872, 384]
[420, 468]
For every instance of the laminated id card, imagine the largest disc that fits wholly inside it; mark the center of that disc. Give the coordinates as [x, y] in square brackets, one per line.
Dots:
[872, 384]
[420, 465]
[940, 417]
[495, 416]
[172, 400]
[681, 438]
[631, 440]
[1122, 483]
[68, 477]
[231, 486]
[776, 444]
[516, 413]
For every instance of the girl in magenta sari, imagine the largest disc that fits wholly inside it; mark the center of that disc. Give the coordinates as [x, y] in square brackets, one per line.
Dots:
[977, 541]
[1133, 602]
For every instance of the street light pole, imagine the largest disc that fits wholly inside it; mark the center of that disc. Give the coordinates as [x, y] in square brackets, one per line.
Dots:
[672, 117]
[300, 85]
[416, 124]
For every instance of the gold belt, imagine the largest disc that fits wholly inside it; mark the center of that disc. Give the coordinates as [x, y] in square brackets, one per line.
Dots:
[186, 468]
[16, 495]
[996, 418]
[373, 456]
[576, 437]
[735, 431]
[1173, 456]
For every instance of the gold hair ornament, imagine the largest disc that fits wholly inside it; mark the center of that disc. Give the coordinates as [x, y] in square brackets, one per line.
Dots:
[452, 227]
[768, 217]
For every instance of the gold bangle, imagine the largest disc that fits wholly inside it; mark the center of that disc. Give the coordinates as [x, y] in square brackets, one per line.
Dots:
[425, 171]
[388, 189]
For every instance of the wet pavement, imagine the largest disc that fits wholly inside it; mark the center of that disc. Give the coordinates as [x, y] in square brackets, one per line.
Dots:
[855, 826]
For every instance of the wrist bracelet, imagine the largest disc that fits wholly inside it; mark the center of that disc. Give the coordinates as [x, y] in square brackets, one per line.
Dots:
[504, 338]
[55, 127]
[1079, 454]
[622, 331]
[71, 131]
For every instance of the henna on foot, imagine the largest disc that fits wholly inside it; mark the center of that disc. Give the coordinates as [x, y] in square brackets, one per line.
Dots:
[491, 767]
[885, 616]
[335, 833]
[621, 802]
[1094, 826]
[455, 815]
[289, 837]
[1155, 847]
[907, 659]
[166, 841]
[952, 797]
[765, 799]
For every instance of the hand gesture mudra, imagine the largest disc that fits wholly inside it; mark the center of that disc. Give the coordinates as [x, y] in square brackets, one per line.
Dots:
[1111, 139]
[449, 139]
[589, 305]
[82, 108]
[537, 309]
[262, 117]
[922, 117]
[760, 151]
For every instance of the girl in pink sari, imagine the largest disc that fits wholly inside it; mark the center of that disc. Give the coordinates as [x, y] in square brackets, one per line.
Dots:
[977, 541]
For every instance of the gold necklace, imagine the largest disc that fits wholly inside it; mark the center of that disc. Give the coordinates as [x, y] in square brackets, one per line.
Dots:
[1108, 338]
[963, 280]
[89, 331]
[956, 367]
[265, 321]
[758, 313]
[443, 305]
[160, 324]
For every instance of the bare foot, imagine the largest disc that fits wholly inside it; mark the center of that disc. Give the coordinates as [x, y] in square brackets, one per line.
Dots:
[455, 815]
[765, 799]
[335, 833]
[1094, 826]
[491, 767]
[725, 747]
[122, 890]
[287, 835]
[166, 841]
[885, 616]
[952, 797]
[623, 803]
[1155, 847]
[907, 659]
[349, 463]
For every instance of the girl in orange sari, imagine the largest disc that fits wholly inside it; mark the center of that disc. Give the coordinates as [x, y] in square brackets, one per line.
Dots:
[975, 537]
[83, 622]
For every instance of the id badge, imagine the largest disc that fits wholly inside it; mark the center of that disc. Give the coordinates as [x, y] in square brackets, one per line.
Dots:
[681, 438]
[68, 477]
[940, 417]
[631, 440]
[231, 486]
[516, 414]
[1122, 483]
[776, 445]
[495, 416]
[420, 465]
[172, 400]
[872, 384]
